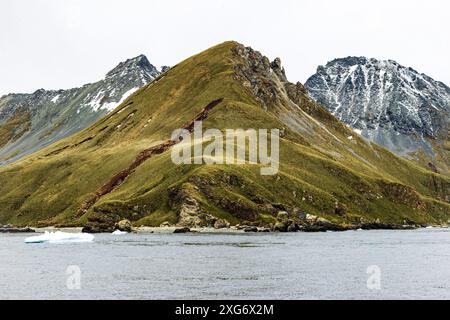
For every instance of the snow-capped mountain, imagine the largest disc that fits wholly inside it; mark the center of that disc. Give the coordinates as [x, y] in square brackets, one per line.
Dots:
[30, 122]
[392, 105]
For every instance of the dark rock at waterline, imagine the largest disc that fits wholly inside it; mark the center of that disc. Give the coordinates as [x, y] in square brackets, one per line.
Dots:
[385, 226]
[281, 227]
[182, 230]
[251, 229]
[99, 226]
[101, 223]
[221, 224]
[314, 228]
[124, 226]
[11, 229]
[287, 226]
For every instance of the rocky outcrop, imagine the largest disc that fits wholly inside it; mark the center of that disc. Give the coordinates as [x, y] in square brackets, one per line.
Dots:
[101, 223]
[124, 225]
[221, 224]
[182, 230]
[190, 214]
[399, 193]
[263, 78]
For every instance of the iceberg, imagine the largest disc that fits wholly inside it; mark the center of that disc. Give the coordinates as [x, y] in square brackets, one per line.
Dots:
[60, 237]
[119, 233]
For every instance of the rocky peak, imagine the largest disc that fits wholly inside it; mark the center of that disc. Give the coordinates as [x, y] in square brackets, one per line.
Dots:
[278, 69]
[371, 94]
[139, 64]
[395, 106]
[164, 69]
[266, 79]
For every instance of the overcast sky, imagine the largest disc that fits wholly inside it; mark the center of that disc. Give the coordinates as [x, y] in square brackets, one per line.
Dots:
[56, 44]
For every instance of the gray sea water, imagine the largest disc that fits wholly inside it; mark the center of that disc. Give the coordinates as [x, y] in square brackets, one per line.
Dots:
[401, 264]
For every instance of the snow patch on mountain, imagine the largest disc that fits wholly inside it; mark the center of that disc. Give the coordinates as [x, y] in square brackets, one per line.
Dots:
[110, 106]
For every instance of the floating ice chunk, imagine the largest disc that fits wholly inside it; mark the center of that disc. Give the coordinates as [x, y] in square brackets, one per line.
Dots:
[119, 233]
[60, 237]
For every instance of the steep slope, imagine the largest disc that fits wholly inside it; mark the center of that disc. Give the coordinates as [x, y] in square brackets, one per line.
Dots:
[29, 122]
[394, 106]
[121, 166]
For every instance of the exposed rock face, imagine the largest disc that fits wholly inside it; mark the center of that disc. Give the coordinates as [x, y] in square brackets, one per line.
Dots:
[251, 229]
[30, 122]
[221, 224]
[392, 105]
[124, 225]
[189, 211]
[182, 230]
[265, 79]
[164, 69]
[101, 223]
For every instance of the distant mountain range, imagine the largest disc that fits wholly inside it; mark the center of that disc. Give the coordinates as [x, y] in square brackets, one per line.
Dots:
[394, 106]
[30, 122]
[329, 177]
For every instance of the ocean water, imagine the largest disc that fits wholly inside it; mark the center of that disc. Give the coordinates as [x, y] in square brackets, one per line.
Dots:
[349, 265]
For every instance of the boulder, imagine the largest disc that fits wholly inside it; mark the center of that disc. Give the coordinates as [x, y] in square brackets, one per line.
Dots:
[281, 227]
[282, 216]
[101, 223]
[251, 229]
[221, 224]
[182, 230]
[124, 226]
[293, 227]
[165, 224]
[311, 218]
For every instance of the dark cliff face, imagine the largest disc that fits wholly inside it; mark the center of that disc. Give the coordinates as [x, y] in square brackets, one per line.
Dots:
[392, 105]
[30, 122]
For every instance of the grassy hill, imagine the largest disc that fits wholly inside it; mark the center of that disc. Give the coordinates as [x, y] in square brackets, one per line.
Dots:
[121, 166]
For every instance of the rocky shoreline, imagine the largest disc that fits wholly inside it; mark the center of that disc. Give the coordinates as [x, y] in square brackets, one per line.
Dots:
[284, 221]
[11, 229]
[231, 230]
[284, 225]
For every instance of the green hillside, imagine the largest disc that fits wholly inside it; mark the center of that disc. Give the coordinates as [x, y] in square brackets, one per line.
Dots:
[121, 167]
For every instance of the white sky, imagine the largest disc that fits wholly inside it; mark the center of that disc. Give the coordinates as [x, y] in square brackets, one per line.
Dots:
[56, 44]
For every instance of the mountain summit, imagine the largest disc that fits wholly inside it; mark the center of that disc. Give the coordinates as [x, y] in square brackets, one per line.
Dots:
[392, 105]
[29, 122]
[138, 66]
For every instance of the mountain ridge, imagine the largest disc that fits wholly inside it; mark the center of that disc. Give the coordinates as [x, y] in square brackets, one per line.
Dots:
[50, 115]
[392, 105]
